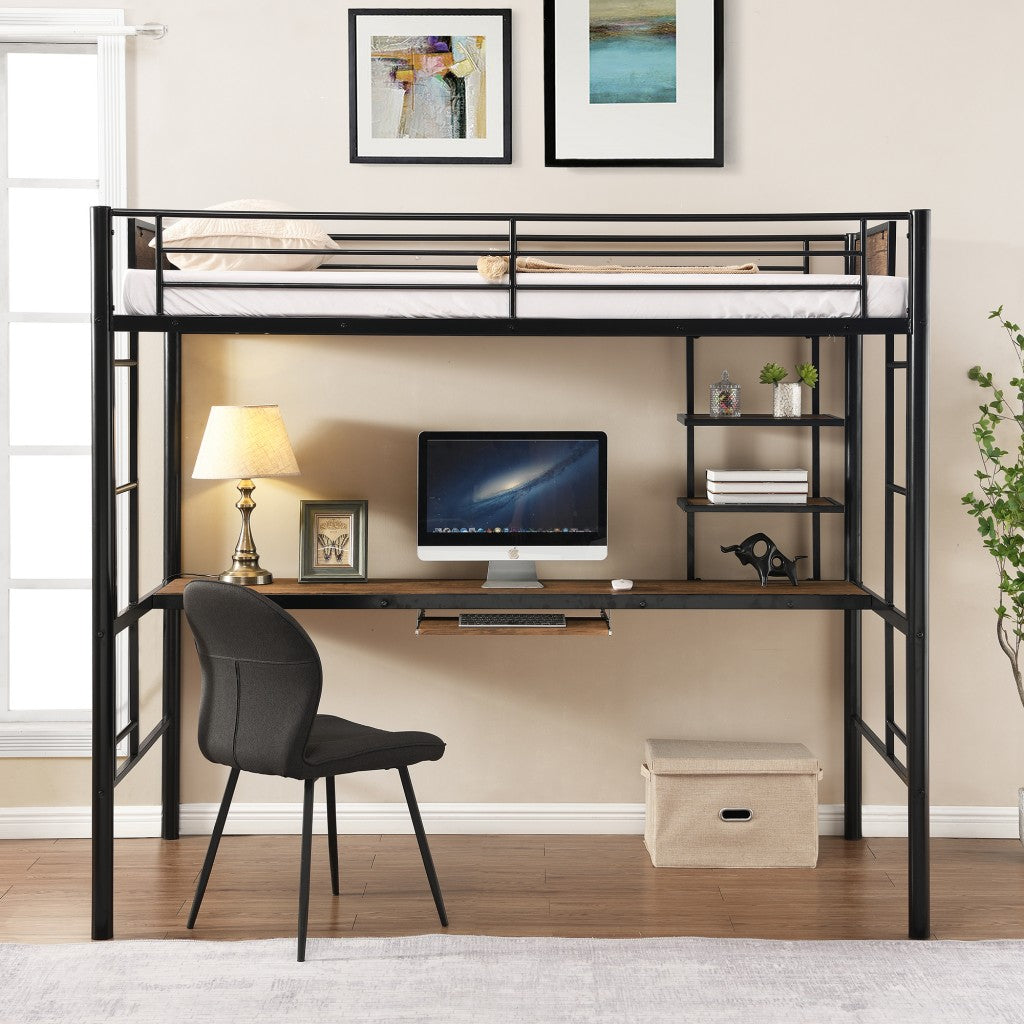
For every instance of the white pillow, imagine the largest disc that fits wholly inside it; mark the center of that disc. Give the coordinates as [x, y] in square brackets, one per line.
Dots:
[246, 233]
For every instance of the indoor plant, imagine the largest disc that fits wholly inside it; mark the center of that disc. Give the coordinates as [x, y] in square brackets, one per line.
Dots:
[786, 394]
[998, 501]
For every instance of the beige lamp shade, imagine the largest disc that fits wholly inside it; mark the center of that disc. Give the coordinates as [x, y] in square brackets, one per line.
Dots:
[244, 442]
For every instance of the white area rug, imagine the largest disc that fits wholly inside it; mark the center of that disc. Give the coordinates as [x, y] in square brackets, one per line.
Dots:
[461, 979]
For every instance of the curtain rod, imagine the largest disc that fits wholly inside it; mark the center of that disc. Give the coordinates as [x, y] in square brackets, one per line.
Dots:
[47, 33]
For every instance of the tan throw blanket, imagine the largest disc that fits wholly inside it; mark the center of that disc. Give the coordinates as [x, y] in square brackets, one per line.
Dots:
[494, 268]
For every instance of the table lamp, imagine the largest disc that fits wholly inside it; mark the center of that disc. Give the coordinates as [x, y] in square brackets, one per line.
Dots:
[242, 443]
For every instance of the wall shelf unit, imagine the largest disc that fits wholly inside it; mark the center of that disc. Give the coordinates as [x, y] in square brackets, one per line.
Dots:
[816, 505]
[757, 419]
[813, 506]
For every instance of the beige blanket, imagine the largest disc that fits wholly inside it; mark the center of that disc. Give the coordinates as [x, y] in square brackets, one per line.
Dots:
[494, 268]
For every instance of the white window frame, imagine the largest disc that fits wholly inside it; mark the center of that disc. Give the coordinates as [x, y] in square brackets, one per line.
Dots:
[68, 733]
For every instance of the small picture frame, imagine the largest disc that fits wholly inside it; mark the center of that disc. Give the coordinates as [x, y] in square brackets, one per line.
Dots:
[332, 541]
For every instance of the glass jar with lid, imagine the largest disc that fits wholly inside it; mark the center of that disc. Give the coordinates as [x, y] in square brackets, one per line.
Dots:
[725, 397]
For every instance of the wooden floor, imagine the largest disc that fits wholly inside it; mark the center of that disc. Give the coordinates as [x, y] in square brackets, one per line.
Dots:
[507, 885]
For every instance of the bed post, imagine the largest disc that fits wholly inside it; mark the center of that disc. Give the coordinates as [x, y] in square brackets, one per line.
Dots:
[917, 578]
[853, 637]
[691, 469]
[171, 748]
[104, 576]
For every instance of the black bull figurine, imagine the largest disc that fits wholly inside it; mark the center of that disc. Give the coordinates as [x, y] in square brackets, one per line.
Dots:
[771, 562]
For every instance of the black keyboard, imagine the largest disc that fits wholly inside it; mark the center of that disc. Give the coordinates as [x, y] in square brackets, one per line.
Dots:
[545, 620]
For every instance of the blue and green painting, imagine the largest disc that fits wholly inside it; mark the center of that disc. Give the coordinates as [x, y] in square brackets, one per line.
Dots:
[632, 51]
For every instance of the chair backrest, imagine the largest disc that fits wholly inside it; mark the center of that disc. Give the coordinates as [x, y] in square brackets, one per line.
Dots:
[261, 679]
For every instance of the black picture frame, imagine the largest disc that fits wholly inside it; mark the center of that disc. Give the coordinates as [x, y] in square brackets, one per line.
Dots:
[356, 155]
[551, 54]
[349, 557]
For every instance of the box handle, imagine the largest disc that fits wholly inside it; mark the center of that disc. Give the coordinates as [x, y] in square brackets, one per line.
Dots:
[735, 814]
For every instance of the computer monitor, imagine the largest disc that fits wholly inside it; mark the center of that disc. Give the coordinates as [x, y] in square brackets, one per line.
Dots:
[512, 497]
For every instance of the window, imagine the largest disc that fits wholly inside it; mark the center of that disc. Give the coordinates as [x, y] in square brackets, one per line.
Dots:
[61, 151]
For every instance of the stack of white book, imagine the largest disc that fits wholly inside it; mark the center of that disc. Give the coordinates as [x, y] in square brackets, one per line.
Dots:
[757, 486]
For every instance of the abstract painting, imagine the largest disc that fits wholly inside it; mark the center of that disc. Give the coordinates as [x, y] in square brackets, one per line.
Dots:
[632, 51]
[633, 83]
[430, 86]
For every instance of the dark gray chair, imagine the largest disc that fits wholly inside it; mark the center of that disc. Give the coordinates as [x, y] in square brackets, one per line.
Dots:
[258, 713]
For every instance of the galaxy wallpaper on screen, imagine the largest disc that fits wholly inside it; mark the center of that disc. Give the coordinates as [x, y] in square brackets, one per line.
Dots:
[512, 486]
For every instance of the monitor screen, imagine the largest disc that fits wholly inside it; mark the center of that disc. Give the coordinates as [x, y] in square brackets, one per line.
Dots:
[528, 488]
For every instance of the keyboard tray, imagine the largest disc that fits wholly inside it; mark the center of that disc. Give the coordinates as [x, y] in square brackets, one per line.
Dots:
[575, 625]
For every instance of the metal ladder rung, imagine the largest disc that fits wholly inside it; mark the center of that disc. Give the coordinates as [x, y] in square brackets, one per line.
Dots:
[896, 730]
[126, 731]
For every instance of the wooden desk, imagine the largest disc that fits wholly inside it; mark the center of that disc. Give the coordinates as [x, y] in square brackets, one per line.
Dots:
[557, 594]
[562, 595]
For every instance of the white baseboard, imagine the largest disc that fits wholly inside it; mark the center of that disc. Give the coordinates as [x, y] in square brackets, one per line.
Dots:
[135, 821]
[880, 820]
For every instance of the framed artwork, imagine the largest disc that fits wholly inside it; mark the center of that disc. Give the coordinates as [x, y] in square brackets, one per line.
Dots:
[332, 541]
[633, 83]
[430, 86]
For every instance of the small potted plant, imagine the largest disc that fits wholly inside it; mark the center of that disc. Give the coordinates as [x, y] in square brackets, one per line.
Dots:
[786, 394]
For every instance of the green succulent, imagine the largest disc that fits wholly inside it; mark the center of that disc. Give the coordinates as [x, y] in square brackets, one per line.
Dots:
[808, 373]
[772, 373]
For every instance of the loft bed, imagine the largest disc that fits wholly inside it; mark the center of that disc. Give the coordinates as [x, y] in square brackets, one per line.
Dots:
[820, 276]
[374, 276]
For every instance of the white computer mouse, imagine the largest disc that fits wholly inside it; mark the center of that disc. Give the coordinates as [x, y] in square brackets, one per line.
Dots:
[622, 584]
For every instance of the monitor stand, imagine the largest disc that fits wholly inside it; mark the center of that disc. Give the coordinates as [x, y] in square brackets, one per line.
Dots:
[512, 576]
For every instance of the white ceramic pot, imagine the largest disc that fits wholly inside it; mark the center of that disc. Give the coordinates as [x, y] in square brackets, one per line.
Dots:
[786, 400]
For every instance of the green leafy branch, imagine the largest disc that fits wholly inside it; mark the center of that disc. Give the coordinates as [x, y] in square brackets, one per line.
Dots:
[997, 503]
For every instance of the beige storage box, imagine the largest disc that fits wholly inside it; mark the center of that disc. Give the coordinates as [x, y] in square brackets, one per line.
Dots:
[731, 805]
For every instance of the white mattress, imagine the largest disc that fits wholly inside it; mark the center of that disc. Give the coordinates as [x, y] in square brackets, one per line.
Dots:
[887, 296]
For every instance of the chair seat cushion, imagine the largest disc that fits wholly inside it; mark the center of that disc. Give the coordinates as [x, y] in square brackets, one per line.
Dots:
[337, 746]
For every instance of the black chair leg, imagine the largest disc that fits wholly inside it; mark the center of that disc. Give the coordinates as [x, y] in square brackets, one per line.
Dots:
[332, 834]
[211, 852]
[307, 850]
[421, 838]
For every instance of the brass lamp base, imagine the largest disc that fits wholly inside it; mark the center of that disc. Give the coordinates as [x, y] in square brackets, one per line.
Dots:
[246, 576]
[245, 563]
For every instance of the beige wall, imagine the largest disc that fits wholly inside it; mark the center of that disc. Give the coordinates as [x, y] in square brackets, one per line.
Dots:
[828, 106]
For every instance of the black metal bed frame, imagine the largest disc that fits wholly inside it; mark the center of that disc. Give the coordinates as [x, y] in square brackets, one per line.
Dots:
[862, 232]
